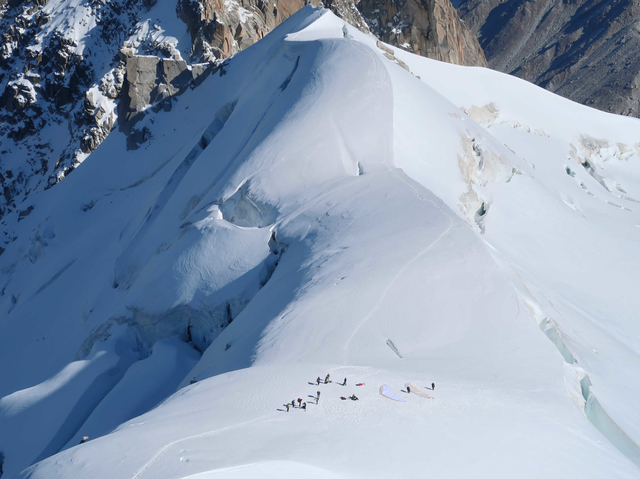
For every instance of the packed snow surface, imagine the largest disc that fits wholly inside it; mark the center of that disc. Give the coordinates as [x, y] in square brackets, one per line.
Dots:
[316, 208]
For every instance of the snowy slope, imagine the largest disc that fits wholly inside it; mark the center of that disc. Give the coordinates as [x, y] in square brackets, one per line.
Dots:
[323, 210]
[582, 283]
[61, 80]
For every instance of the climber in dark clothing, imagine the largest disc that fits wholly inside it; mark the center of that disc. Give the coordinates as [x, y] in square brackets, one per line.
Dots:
[408, 389]
[304, 406]
[293, 403]
[345, 382]
[433, 386]
[318, 381]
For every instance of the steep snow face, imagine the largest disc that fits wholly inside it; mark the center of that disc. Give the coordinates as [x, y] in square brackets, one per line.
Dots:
[60, 78]
[333, 207]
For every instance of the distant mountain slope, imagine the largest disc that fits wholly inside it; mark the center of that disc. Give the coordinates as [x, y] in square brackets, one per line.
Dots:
[583, 50]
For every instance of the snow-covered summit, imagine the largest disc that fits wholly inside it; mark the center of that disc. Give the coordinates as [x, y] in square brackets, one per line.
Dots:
[333, 205]
[73, 70]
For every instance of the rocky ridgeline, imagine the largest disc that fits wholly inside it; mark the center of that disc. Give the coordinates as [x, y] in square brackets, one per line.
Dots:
[70, 74]
[583, 50]
[220, 28]
[429, 28]
[151, 80]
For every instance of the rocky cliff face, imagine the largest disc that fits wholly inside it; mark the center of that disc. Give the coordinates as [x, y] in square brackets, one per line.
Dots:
[221, 28]
[586, 51]
[429, 28]
[71, 71]
[59, 80]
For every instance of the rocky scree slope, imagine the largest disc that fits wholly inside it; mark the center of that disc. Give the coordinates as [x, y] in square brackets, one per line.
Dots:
[585, 51]
[70, 70]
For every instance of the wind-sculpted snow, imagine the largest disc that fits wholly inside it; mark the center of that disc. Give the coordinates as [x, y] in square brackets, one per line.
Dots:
[323, 210]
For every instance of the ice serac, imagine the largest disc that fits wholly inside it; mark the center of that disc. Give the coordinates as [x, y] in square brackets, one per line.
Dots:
[585, 51]
[431, 28]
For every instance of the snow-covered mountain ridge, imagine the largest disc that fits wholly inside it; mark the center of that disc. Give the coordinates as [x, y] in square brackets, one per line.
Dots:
[322, 209]
[73, 70]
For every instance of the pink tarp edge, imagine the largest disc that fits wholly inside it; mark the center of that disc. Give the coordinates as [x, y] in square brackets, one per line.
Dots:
[415, 390]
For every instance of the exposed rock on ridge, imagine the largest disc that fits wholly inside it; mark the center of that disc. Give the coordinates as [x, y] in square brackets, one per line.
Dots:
[59, 80]
[220, 29]
[151, 80]
[585, 51]
[430, 28]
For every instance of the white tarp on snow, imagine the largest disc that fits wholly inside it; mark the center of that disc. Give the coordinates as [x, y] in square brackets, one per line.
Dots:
[386, 392]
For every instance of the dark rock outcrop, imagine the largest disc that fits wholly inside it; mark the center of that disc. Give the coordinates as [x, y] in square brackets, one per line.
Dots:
[151, 80]
[219, 30]
[430, 28]
[583, 50]
[55, 90]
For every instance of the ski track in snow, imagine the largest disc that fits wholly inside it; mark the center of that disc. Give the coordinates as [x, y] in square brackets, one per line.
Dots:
[391, 166]
[215, 432]
[388, 288]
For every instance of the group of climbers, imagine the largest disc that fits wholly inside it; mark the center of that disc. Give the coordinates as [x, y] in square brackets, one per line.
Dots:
[353, 397]
[301, 405]
[327, 380]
